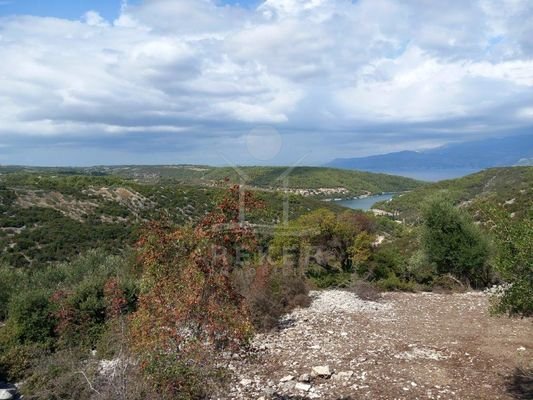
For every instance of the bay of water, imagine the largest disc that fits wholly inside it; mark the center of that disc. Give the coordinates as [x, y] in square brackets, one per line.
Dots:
[365, 203]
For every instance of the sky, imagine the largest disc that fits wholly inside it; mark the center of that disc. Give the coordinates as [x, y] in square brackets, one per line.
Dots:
[91, 82]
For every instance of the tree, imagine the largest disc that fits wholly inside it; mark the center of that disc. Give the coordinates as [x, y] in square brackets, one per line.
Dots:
[454, 243]
[514, 245]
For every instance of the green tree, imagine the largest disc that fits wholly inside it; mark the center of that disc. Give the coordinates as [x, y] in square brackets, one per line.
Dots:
[454, 243]
[514, 242]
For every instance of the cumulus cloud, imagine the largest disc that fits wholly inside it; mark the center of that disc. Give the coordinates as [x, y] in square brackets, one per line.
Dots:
[192, 77]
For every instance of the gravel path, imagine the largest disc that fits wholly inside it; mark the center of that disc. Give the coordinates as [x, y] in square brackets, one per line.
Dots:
[407, 346]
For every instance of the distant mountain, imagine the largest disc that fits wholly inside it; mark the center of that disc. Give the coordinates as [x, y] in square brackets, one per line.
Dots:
[467, 156]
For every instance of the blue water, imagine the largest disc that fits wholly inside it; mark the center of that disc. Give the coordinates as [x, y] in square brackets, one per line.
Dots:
[365, 203]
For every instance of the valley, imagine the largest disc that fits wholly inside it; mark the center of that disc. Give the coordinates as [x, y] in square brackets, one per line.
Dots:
[422, 295]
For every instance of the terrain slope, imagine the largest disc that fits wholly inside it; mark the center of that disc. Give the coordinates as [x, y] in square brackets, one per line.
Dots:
[406, 346]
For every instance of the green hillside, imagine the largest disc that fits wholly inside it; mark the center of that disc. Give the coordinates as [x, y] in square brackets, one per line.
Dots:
[51, 215]
[345, 183]
[318, 177]
[511, 187]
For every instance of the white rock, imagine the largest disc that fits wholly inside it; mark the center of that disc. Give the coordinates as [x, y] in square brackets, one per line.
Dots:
[5, 394]
[287, 378]
[302, 386]
[343, 375]
[287, 385]
[329, 301]
[321, 370]
[304, 378]
[246, 382]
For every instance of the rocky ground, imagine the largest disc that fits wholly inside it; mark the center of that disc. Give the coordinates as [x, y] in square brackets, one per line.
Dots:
[406, 346]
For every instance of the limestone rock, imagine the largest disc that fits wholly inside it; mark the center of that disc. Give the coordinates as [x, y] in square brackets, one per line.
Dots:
[321, 371]
[246, 382]
[6, 394]
[287, 378]
[343, 375]
[302, 386]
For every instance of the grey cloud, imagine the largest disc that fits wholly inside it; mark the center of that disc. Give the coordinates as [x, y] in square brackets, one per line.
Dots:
[191, 77]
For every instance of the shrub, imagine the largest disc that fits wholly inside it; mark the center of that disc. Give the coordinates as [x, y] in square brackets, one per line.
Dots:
[365, 290]
[65, 374]
[271, 291]
[10, 282]
[385, 260]
[60, 306]
[448, 284]
[454, 244]
[30, 317]
[189, 310]
[392, 282]
[514, 245]
[16, 360]
[420, 269]
[326, 245]
[323, 279]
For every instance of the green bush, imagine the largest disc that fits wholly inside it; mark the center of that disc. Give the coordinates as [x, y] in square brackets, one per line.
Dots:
[514, 262]
[392, 283]
[10, 281]
[17, 361]
[454, 243]
[325, 245]
[60, 301]
[30, 317]
[175, 379]
[420, 269]
[323, 279]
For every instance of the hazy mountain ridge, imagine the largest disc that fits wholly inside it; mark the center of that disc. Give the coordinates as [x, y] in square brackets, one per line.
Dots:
[510, 151]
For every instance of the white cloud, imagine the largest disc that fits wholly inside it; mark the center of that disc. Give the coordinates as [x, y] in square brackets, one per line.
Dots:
[198, 68]
[417, 86]
[93, 18]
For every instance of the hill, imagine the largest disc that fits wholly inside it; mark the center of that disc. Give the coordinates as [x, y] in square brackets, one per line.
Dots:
[512, 187]
[49, 215]
[471, 156]
[316, 182]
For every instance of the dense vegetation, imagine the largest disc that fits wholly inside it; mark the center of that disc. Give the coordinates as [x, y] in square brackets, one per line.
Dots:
[355, 182]
[494, 185]
[499, 201]
[111, 288]
[453, 244]
[48, 217]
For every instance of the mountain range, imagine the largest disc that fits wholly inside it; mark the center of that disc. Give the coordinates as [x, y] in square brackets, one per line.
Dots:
[447, 161]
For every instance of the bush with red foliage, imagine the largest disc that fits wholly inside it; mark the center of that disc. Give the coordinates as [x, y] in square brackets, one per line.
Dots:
[189, 309]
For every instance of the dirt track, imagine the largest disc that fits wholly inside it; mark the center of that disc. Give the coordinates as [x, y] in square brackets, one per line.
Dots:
[407, 346]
